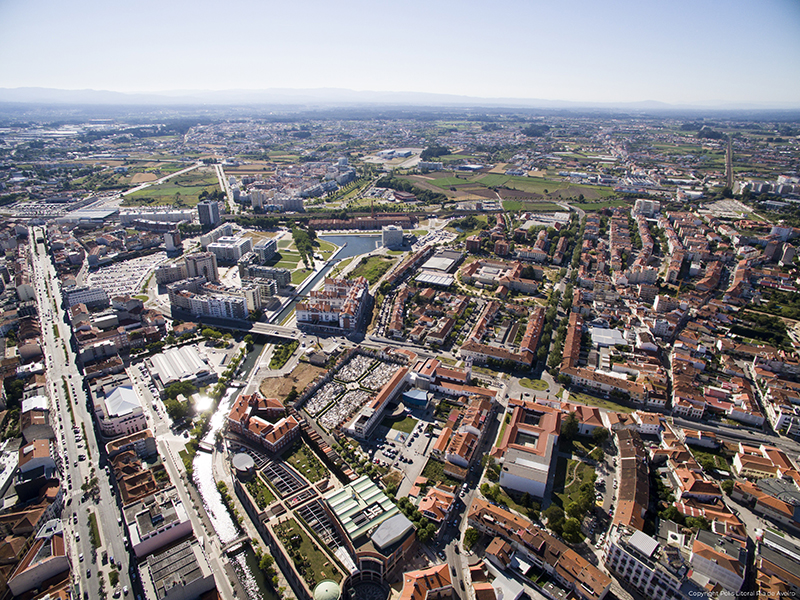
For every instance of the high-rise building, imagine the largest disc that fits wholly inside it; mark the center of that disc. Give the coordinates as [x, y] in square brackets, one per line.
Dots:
[209, 213]
[202, 263]
[392, 236]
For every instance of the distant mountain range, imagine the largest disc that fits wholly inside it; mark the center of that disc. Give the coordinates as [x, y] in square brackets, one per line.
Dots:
[330, 97]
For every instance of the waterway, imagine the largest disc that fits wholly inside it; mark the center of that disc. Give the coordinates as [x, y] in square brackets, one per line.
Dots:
[244, 563]
[356, 246]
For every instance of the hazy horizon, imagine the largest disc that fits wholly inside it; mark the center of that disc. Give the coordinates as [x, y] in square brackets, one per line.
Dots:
[710, 53]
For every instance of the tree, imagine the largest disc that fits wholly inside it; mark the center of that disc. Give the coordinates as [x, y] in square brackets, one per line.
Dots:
[575, 510]
[600, 435]
[471, 537]
[571, 530]
[553, 514]
[727, 486]
[211, 334]
[570, 426]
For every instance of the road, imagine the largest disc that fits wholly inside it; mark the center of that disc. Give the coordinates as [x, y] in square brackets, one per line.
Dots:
[225, 187]
[61, 368]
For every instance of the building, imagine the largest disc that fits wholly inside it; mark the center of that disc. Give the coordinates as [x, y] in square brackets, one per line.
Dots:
[180, 364]
[656, 571]
[266, 249]
[368, 417]
[208, 213]
[142, 443]
[156, 521]
[391, 236]
[45, 558]
[527, 450]
[219, 306]
[376, 534]
[433, 583]
[170, 273]
[202, 264]
[718, 561]
[213, 235]
[92, 297]
[339, 305]
[178, 572]
[229, 249]
[535, 547]
[120, 412]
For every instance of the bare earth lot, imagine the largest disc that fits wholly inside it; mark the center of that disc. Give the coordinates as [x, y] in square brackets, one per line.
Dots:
[300, 377]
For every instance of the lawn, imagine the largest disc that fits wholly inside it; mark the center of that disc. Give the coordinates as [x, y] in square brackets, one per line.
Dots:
[303, 550]
[260, 492]
[94, 530]
[534, 384]
[306, 462]
[570, 474]
[588, 400]
[300, 275]
[406, 425]
[372, 268]
[324, 248]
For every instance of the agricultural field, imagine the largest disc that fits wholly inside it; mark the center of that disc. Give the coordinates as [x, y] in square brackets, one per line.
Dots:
[180, 191]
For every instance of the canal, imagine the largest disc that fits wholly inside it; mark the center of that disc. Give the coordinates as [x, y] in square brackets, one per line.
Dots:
[356, 245]
[244, 562]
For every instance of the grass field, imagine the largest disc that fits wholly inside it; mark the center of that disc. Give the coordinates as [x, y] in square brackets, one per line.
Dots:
[446, 182]
[306, 462]
[372, 268]
[588, 400]
[324, 248]
[531, 206]
[534, 384]
[570, 474]
[299, 275]
[434, 471]
[406, 425]
[595, 206]
[182, 190]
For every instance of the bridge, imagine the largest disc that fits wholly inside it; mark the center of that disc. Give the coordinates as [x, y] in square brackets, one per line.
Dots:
[278, 331]
[233, 545]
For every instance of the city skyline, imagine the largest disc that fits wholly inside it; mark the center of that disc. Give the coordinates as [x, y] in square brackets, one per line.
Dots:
[708, 54]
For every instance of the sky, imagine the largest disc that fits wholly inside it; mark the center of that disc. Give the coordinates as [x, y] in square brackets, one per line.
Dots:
[700, 52]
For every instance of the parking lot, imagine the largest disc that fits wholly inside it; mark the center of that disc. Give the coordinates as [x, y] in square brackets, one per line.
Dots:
[125, 277]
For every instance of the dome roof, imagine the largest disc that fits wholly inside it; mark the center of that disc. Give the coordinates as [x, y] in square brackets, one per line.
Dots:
[327, 590]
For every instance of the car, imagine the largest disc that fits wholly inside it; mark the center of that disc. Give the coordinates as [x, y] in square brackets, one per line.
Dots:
[88, 573]
[125, 590]
[80, 557]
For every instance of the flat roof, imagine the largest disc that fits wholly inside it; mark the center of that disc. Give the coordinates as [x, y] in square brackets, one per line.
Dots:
[606, 337]
[643, 542]
[435, 278]
[360, 507]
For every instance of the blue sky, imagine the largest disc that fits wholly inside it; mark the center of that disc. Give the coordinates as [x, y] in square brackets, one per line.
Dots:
[675, 51]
